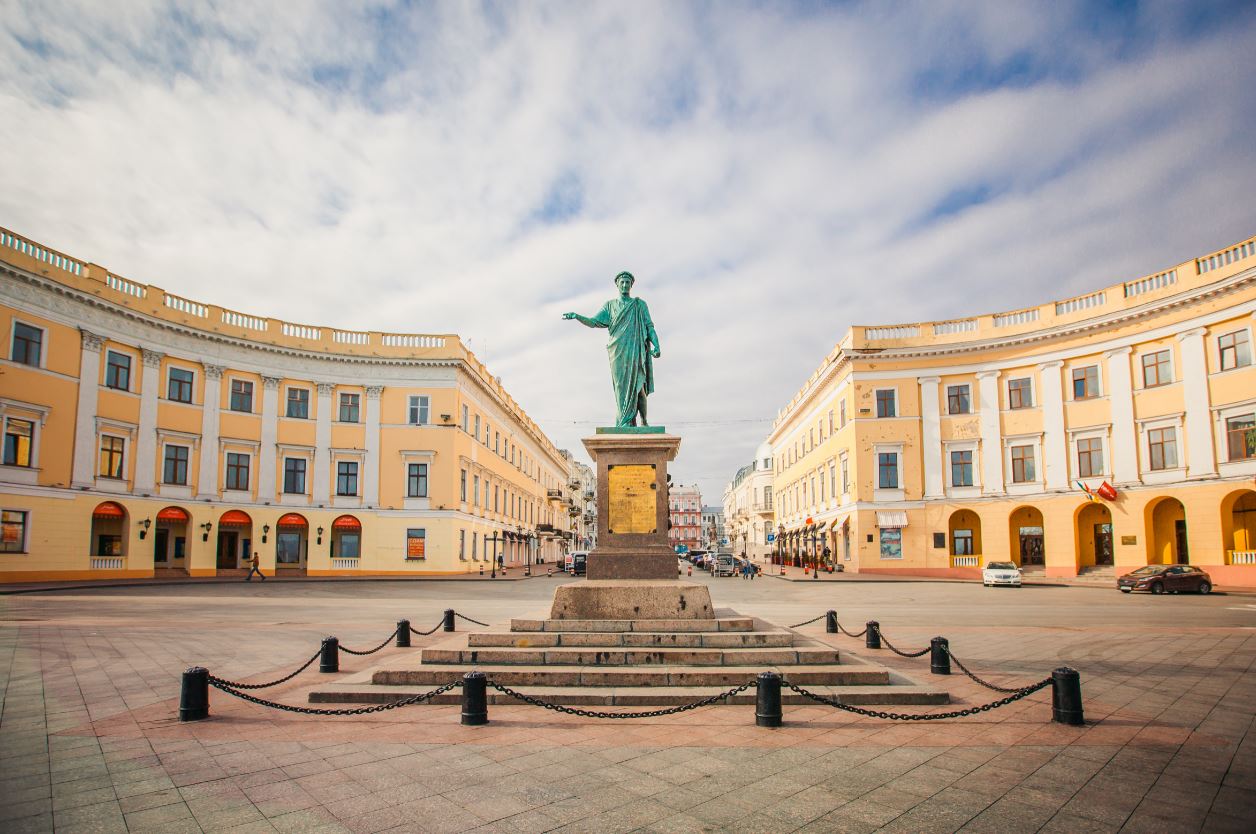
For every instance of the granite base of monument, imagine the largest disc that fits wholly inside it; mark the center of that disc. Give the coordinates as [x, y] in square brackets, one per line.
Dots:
[628, 599]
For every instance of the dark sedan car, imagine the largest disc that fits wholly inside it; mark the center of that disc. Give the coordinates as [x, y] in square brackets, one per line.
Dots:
[1162, 579]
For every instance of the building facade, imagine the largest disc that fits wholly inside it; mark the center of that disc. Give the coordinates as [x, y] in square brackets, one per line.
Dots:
[748, 513]
[583, 485]
[685, 515]
[146, 432]
[714, 534]
[1117, 428]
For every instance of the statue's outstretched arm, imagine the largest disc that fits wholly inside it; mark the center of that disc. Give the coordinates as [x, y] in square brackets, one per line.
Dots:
[587, 322]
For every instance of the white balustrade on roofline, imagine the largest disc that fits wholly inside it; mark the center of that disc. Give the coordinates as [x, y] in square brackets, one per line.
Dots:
[301, 331]
[1081, 302]
[186, 305]
[351, 337]
[1150, 283]
[41, 254]
[125, 285]
[1018, 317]
[1226, 256]
[946, 328]
[412, 340]
[243, 320]
[901, 331]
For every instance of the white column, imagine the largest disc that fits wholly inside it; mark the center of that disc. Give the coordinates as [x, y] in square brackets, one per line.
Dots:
[266, 462]
[146, 439]
[931, 435]
[1054, 439]
[370, 477]
[322, 443]
[991, 434]
[1121, 405]
[1201, 457]
[84, 470]
[207, 483]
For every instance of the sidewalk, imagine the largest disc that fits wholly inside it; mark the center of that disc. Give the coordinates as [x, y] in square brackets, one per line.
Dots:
[515, 575]
[796, 575]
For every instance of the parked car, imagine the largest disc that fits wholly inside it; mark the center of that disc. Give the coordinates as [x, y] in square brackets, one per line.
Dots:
[1001, 573]
[1160, 579]
[725, 565]
[579, 560]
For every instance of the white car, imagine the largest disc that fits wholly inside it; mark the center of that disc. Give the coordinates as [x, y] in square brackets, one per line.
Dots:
[1001, 573]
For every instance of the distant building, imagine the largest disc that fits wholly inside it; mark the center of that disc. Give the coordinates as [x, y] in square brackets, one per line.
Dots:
[748, 513]
[713, 532]
[685, 512]
[584, 494]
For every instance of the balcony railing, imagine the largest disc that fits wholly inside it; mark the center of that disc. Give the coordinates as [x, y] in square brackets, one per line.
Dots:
[1241, 557]
[107, 562]
[339, 563]
[965, 561]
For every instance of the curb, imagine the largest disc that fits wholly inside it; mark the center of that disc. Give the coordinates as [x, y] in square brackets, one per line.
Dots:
[211, 580]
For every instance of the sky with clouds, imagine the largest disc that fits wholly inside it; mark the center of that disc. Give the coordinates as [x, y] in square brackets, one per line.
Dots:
[771, 172]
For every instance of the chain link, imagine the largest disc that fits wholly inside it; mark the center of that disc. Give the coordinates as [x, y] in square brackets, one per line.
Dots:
[899, 652]
[585, 713]
[220, 684]
[284, 679]
[935, 716]
[964, 669]
[843, 630]
[432, 630]
[468, 619]
[809, 622]
[387, 640]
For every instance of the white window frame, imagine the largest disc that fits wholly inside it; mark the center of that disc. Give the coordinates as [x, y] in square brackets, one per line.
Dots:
[1142, 378]
[1251, 349]
[127, 439]
[1038, 483]
[43, 343]
[309, 401]
[244, 494]
[177, 366]
[1033, 392]
[418, 403]
[231, 380]
[897, 411]
[1173, 473]
[300, 497]
[1220, 414]
[947, 394]
[973, 446]
[879, 494]
[131, 380]
[428, 456]
[37, 415]
[1104, 433]
[165, 444]
[339, 456]
[1068, 380]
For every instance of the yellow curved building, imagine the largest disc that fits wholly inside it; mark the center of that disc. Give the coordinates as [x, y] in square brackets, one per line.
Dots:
[146, 433]
[1093, 434]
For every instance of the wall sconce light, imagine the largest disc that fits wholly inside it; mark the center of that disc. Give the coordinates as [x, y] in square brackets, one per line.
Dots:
[445, 418]
[206, 527]
[265, 530]
[320, 535]
[144, 525]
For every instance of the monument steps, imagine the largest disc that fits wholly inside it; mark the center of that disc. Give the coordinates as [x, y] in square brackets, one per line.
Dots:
[727, 623]
[621, 656]
[437, 674]
[632, 639]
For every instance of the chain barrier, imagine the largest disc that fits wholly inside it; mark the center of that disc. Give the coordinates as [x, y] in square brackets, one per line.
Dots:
[586, 713]
[468, 619]
[976, 679]
[430, 631]
[843, 630]
[284, 679]
[809, 622]
[1025, 692]
[899, 652]
[387, 640]
[224, 686]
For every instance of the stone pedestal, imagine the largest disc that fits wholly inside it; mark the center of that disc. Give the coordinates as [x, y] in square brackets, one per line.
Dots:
[632, 599]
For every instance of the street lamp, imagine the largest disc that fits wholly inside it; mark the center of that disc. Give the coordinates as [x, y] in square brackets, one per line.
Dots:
[493, 538]
[780, 548]
[815, 553]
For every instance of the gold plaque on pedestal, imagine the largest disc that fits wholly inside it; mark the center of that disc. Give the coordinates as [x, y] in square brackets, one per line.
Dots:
[631, 497]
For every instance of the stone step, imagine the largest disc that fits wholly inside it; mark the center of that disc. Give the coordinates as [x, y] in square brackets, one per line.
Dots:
[633, 696]
[659, 676]
[603, 626]
[579, 656]
[631, 639]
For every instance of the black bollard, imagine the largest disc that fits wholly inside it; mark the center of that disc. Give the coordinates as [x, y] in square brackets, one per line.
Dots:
[830, 622]
[767, 710]
[329, 661]
[1066, 697]
[194, 695]
[474, 699]
[872, 640]
[449, 619]
[403, 634]
[939, 656]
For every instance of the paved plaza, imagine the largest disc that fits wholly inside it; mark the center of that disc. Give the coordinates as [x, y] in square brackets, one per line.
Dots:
[90, 741]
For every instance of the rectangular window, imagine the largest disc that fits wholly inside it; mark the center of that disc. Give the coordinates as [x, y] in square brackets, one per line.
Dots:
[419, 410]
[958, 399]
[179, 385]
[496, 496]
[416, 543]
[1156, 370]
[833, 478]
[117, 371]
[962, 543]
[349, 404]
[476, 435]
[350, 546]
[416, 480]
[845, 477]
[885, 402]
[347, 477]
[1086, 382]
[13, 531]
[466, 419]
[294, 476]
[1162, 448]
[462, 545]
[299, 403]
[475, 490]
[887, 470]
[242, 396]
[891, 542]
[1020, 393]
[1090, 457]
[462, 486]
[497, 443]
[1240, 433]
[238, 471]
[475, 552]
[962, 468]
[1236, 350]
[841, 414]
[830, 422]
[18, 437]
[1022, 464]
[28, 344]
[111, 454]
[174, 469]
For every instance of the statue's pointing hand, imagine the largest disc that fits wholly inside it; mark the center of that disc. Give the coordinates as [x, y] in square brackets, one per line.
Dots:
[569, 315]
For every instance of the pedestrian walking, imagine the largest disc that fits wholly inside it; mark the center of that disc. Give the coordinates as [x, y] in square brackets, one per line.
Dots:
[256, 569]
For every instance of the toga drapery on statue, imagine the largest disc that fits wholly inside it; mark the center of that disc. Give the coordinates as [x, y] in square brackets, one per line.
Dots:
[632, 348]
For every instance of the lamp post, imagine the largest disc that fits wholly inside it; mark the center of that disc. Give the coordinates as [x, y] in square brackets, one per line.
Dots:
[815, 552]
[780, 548]
[493, 572]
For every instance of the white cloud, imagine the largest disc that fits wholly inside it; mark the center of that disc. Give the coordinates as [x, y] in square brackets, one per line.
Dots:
[770, 174]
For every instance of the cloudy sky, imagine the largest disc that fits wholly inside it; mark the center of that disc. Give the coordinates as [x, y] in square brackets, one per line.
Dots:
[771, 172]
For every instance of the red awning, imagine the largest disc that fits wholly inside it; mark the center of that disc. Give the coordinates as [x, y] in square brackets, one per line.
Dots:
[292, 520]
[234, 518]
[172, 514]
[346, 522]
[109, 510]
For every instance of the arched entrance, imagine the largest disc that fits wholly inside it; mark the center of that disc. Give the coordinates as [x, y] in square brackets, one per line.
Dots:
[109, 535]
[1238, 527]
[965, 535]
[291, 542]
[1025, 531]
[346, 541]
[1094, 534]
[235, 540]
[1166, 533]
[170, 539]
